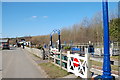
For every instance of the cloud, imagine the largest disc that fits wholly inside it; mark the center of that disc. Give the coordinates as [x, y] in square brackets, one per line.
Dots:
[34, 16]
[31, 18]
[45, 16]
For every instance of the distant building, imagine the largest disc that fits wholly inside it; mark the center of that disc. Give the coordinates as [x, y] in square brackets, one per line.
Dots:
[4, 41]
[26, 43]
[4, 44]
[22, 39]
[21, 42]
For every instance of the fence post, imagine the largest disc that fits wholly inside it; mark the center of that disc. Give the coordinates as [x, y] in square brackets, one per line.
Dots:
[117, 44]
[111, 52]
[87, 57]
[60, 59]
[100, 51]
[49, 56]
[54, 59]
[68, 53]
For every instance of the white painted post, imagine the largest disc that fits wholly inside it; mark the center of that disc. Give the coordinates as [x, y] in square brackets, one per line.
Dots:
[54, 58]
[111, 49]
[68, 53]
[112, 45]
[117, 44]
[87, 57]
[49, 56]
[100, 52]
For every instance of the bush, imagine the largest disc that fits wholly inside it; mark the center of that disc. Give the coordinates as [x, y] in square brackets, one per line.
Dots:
[67, 48]
[27, 45]
[39, 47]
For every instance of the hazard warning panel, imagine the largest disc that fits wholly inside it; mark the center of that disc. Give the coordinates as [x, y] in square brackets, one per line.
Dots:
[75, 62]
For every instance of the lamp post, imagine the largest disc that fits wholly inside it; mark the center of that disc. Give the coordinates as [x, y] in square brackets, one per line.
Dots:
[106, 60]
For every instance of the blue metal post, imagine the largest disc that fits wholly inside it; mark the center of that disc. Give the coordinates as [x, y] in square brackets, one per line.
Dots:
[106, 60]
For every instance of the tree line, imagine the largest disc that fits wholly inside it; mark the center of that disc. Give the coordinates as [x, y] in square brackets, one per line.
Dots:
[89, 29]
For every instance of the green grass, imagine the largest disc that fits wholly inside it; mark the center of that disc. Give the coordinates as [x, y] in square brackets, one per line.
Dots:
[99, 47]
[114, 67]
[53, 71]
[115, 57]
[96, 63]
[36, 56]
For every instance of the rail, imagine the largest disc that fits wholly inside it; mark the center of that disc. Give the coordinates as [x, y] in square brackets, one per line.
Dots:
[74, 63]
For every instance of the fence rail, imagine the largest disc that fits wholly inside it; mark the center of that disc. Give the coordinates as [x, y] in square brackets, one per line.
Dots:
[59, 59]
[67, 62]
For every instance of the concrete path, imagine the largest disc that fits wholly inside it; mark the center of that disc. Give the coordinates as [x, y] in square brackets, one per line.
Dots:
[18, 64]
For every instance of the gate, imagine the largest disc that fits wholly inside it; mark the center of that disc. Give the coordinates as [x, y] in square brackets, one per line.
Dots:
[79, 65]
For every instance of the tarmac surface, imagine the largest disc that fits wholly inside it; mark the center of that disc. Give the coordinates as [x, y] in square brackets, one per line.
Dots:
[16, 63]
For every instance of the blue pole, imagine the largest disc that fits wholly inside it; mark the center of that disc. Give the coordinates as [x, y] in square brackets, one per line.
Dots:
[106, 60]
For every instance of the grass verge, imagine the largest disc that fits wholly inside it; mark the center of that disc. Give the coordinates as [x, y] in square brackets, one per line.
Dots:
[36, 56]
[53, 71]
[113, 67]
[115, 57]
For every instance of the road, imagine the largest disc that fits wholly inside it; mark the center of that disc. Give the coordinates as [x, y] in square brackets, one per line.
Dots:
[18, 64]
